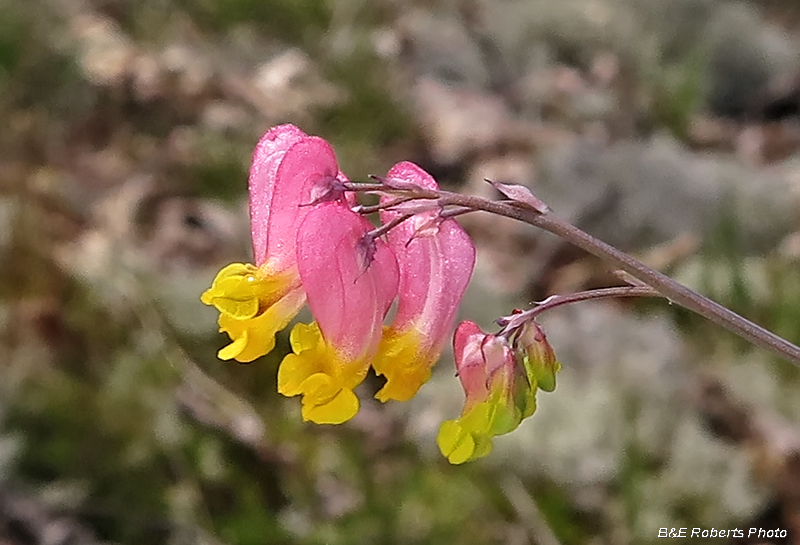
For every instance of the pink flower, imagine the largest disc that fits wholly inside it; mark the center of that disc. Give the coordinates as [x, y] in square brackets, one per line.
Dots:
[350, 279]
[289, 169]
[436, 258]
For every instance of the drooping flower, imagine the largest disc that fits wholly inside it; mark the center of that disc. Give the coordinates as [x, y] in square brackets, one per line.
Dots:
[498, 392]
[289, 170]
[350, 279]
[436, 258]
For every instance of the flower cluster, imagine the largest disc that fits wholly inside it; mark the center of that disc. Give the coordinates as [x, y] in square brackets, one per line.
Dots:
[311, 245]
[500, 375]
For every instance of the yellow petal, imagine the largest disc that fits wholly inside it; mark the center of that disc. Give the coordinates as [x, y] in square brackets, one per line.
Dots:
[236, 269]
[305, 337]
[241, 290]
[323, 408]
[236, 297]
[321, 376]
[455, 443]
[235, 348]
[401, 360]
[470, 437]
[259, 332]
[293, 371]
[231, 286]
[309, 352]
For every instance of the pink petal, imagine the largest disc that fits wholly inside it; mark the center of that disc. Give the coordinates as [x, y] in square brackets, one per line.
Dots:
[267, 157]
[305, 164]
[498, 358]
[470, 364]
[348, 301]
[410, 173]
[434, 274]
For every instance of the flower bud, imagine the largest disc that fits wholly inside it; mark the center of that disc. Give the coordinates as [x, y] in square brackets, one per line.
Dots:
[498, 394]
[538, 357]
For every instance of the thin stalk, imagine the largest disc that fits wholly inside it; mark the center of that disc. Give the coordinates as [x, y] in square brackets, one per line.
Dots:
[362, 209]
[590, 295]
[515, 321]
[386, 227]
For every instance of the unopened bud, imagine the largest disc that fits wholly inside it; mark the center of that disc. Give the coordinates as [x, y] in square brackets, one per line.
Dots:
[538, 357]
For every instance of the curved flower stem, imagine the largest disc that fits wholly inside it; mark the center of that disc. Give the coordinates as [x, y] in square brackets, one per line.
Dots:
[669, 288]
[588, 295]
[520, 318]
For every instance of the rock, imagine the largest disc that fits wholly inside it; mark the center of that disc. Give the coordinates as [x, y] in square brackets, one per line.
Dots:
[637, 194]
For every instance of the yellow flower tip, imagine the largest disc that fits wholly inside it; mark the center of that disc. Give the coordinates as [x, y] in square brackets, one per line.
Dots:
[318, 373]
[253, 335]
[207, 298]
[401, 360]
[455, 443]
[235, 291]
[253, 305]
[335, 410]
[538, 358]
[402, 386]
[242, 290]
[470, 436]
[546, 378]
[460, 445]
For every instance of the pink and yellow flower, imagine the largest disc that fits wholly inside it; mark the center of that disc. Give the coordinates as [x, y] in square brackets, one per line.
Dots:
[350, 279]
[436, 258]
[255, 301]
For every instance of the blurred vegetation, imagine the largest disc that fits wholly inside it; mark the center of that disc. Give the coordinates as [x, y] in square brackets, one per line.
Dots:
[128, 127]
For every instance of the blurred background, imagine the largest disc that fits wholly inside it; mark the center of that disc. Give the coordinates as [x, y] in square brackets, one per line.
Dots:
[667, 128]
